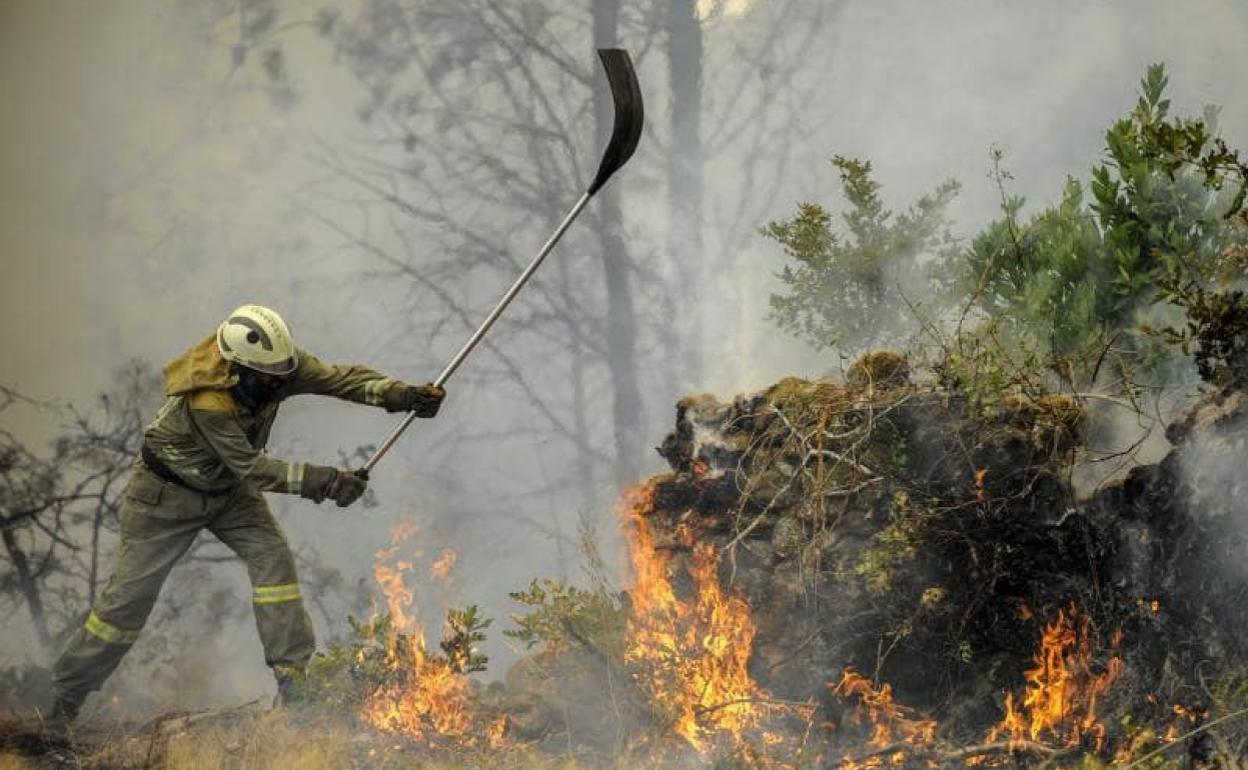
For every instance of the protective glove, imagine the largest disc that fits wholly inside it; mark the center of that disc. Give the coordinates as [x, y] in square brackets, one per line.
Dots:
[321, 482]
[424, 400]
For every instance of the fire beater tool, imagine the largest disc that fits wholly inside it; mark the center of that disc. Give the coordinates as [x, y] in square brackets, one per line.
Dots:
[629, 116]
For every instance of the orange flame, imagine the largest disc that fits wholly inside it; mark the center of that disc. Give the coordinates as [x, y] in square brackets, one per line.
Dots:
[424, 696]
[696, 652]
[432, 699]
[890, 722]
[1060, 699]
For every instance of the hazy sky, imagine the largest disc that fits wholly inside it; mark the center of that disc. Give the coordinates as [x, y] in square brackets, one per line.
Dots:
[146, 188]
[924, 89]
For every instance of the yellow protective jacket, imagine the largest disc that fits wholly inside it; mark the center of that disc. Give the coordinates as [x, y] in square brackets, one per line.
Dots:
[212, 442]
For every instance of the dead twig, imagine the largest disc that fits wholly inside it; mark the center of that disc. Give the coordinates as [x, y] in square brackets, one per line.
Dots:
[1191, 733]
[965, 752]
[998, 747]
[788, 704]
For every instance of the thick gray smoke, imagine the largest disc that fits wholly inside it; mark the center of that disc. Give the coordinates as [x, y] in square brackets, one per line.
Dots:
[160, 167]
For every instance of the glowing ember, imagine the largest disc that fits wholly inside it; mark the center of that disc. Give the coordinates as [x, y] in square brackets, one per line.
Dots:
[1060, 700]
[980, 475]
[1184, 720]
[890, 723]
[424, 696]
[1152, 605]
[695, 652]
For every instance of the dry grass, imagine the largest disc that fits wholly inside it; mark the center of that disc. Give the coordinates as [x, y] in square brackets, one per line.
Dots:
[281, 740]
[14, 762]
[526, 761]
[278, 744]
[209, 750]
[264, 741]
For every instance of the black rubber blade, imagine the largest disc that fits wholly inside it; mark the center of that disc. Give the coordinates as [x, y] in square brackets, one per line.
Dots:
[630, 115]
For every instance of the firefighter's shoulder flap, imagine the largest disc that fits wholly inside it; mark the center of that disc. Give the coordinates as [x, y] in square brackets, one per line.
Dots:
[213, 401]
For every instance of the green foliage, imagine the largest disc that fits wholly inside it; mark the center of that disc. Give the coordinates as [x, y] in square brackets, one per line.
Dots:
[1075, 280]
[561, 615]
[1092, 287]
[843, 288]
[1215, 327]
[1042, 281]
[346, 674]
[465, 628]
[986, 365]
[1162, 198]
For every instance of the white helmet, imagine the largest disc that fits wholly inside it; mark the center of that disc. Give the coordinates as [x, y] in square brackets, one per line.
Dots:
[257, 338]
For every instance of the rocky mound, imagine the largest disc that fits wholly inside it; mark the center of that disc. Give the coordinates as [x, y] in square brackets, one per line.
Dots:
[896, 530]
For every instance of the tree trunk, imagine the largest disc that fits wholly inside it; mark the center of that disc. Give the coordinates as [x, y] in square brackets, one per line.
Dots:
[627, 414]
[586, 478]
[29, 590]
[684, 182]
[93, 576]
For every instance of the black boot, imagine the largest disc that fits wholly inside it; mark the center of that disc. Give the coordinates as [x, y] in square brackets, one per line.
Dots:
[292, 687]
[64, 712]
[55, 729]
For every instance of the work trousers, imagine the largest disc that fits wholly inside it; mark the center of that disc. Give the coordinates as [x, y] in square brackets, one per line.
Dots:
[159, 522]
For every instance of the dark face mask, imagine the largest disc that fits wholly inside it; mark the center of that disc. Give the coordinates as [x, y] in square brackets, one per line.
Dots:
[255, 389]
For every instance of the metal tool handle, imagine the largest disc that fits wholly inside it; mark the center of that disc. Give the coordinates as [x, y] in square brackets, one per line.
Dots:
[481, 331]
[625, 133]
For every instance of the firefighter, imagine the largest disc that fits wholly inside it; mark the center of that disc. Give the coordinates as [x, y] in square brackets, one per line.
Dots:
[203, 466]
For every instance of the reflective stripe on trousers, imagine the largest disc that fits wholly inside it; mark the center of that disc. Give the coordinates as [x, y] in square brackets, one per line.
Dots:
[286, 592]
[108, 632]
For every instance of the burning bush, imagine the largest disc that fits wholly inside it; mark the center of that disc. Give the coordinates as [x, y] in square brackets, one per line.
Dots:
[393, 680]
[820, 527]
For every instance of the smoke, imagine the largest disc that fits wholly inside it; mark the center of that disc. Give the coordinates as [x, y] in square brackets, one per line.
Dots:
[149, 182]
[1208, 466]
[924, 90]
[713, 10]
